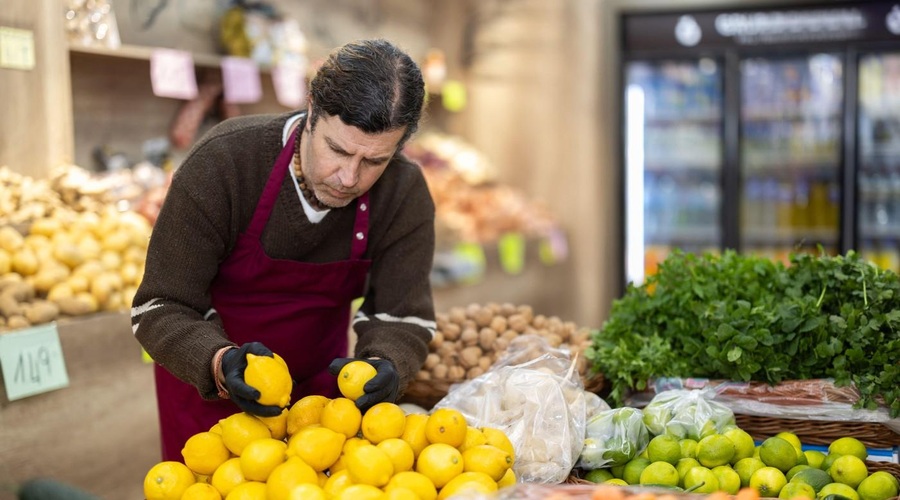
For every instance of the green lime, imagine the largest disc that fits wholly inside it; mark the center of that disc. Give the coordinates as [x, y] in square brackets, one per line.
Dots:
[715, 450]
[701, 480]
[814, 458]
[828, 460]
[880, 485]
[617, 471]
[598, 475]
[816, 478]
[768, 481]
[745, 468]
[684, 465]
[688, 448]
[797, 490]
[848, 446]
[633, 470]
[664, 448]
[792, 438]
[616, 481]
[729, 480]
[626, 414]
[838, 489]
[778, 453]
[659, 473]
[743, 443]
[849, 470]
[795, 469]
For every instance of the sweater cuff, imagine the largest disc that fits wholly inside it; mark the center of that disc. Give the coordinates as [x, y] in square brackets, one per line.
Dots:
[406, 351]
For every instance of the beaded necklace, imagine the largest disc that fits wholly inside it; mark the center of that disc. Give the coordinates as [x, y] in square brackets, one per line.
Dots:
[301, 181]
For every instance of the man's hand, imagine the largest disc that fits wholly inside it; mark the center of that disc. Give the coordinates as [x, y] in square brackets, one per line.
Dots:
[234, 362]
[382, 387]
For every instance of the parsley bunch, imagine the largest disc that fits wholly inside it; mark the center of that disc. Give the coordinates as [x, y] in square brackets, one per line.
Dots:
[741, 317]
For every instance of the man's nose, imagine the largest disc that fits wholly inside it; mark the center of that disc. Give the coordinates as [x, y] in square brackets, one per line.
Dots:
[349, 173]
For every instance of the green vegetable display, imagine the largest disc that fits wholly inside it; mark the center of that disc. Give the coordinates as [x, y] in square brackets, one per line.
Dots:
[741, 317]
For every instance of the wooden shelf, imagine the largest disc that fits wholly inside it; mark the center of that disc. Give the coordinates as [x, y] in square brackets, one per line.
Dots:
[144, 53]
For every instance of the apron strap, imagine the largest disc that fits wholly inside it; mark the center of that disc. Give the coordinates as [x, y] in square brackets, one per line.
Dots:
[360, 228]
[273, 186]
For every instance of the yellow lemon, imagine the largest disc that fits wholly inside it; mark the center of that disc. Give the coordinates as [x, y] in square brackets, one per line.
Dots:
[498, 438]
[368, 464]
[216, 429]
[227, 476]
[260, 458]
[468, 483]
[416, 482]
[341, 415]
[352, 443]
[440, 463]
[317, 446]
[360, 492]
[277, 425]
[383, 421]
[446, 425]
[508, 479]
[271, 378]
[400, 494]
[487, 459]
[306, 492]
[201, 491]
[167, 481]
[353, 377]
[414, 432]
[204, 452]
[287, 476]
[323, 477]
[241, 429]
[336, 483]
[305, 412]
[474, 437]
[250, 490]
[400, 453]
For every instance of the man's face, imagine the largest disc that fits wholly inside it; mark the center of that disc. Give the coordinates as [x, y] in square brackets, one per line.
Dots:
[341, 162]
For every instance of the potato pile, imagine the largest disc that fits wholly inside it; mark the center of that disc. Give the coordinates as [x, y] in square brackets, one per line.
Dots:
[470, 339]
[68, 188]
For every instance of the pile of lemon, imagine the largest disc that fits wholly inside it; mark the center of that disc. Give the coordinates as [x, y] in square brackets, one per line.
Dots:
[326, 448]
[778, 467]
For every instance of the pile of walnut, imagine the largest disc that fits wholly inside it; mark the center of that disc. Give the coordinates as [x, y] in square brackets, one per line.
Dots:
[469, 340]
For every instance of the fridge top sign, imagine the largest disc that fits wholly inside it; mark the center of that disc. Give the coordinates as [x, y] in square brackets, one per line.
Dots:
[763, 27]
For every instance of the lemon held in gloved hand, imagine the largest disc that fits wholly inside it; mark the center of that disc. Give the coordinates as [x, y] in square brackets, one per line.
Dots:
[257, 380]
[366, 381]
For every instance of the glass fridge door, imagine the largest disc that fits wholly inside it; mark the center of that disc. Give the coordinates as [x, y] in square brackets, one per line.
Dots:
[673, 160]
[791, 134]
[878, 175]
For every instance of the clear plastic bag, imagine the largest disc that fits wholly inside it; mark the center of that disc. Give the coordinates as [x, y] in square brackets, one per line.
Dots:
[613, 437]
[687, 414]
[535, 395]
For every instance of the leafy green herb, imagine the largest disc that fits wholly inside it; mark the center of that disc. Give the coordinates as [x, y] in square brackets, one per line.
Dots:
[745, 318]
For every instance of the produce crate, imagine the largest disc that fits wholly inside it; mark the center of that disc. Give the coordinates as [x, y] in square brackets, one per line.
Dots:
[819, 432]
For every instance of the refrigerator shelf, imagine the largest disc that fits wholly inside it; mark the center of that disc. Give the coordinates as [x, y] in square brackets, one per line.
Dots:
[879, 233]
[693, 236]
[789, 236]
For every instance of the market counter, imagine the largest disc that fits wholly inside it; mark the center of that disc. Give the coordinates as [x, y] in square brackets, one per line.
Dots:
[101, 432]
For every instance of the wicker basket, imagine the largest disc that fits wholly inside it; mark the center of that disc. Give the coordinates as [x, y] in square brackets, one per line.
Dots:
[819, 432]
[426, 393]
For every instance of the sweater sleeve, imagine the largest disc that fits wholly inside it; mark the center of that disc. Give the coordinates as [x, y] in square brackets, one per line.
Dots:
[396, 318]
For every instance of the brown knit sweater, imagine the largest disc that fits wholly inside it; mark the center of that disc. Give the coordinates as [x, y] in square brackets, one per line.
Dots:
[212, 199]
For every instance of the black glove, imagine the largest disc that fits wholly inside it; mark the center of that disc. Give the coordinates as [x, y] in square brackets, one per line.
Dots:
[234, 362]
[382, 387]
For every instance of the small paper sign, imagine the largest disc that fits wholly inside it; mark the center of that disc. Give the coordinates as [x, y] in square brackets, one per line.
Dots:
[453, 96]
[172, 74]
[16, 48]
[472, 254]
[32, 361]
[289, 80]
[240, 77]
[512, 252]
[554, 248]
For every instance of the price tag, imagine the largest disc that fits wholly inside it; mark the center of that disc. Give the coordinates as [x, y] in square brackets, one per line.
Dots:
[16, 48]
[512, 252]
[172, 74]
[240, 77]
[32, 361]
[289, 80]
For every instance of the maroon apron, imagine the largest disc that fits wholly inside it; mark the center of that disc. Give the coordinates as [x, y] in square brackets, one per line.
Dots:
[299, 310]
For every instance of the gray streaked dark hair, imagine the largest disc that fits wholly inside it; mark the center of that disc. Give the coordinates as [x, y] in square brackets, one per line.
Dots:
[371, 85]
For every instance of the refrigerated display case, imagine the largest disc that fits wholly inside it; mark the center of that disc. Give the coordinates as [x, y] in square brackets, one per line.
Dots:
[769, 130]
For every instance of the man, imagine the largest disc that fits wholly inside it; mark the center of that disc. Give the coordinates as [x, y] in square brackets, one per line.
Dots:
[273, 225]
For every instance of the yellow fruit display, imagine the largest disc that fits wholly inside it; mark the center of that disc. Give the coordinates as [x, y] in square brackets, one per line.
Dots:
[167, 481]
[271, 378]
[261, 457]
[250, 490]
[383, 421]
[241, 429]
[416, 482]
[468, 484]
[204, 452]
[306, 492]
[285, 478]
[336, 483]
[306, 411]
[487, 459]
[228, 476]
[440, 463]
[400, 453]
[498, 438]
[341, 415]
[414, 432]
[201, 491]
[447, 426]
[368, 464]
[360, 492]
[353, 377]
[319, 447]
[508, 479]
[474, 437]
[277, 425]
